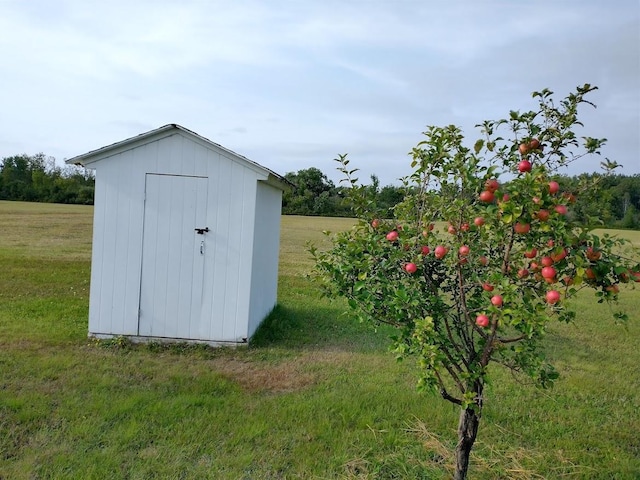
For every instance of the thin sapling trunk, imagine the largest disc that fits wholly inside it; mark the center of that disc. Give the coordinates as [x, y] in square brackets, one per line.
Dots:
[467, 432]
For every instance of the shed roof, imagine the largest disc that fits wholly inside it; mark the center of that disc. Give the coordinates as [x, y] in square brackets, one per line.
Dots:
[94, 155]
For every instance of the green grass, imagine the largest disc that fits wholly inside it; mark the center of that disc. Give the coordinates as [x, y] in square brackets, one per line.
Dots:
[315, 396]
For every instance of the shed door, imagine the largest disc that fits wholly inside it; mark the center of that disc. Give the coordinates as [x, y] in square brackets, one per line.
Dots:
[172, 255]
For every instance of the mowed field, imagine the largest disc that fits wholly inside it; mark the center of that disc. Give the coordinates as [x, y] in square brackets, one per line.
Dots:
[315, 396]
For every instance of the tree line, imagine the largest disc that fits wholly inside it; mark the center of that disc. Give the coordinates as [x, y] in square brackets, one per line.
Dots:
[616, 201]
[37, 178]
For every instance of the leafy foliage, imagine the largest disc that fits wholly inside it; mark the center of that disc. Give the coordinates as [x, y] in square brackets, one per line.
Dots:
[315, 194]
[615, 204]
[37, 178]
[484, 289]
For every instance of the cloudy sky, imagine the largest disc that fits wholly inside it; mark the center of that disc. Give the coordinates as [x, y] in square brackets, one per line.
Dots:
[292, 83]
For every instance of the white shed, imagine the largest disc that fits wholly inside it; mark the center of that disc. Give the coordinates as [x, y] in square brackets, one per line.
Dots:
[185, 239]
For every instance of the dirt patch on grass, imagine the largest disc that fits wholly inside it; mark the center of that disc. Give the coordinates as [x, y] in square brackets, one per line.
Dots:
[285, 376]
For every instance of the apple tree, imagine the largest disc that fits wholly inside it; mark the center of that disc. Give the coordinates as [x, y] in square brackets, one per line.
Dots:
[483, 288]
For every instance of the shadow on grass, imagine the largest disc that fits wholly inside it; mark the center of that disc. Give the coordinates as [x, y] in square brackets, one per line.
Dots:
[319, 326]
[562, 346]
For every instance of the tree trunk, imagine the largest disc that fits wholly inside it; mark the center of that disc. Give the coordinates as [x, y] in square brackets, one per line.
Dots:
[467, 431]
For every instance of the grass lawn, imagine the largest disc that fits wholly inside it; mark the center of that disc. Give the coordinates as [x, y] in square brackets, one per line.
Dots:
[315, 396]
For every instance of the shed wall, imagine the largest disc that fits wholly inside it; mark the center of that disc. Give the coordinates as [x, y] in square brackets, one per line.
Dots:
[117, 236]
[266, 247]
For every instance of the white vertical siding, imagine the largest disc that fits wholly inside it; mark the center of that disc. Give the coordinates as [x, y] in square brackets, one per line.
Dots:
[266, 245]
[241, 253]
[98, 323]
[208, 317]
[117, 238]
[244, 210]
[228, 264]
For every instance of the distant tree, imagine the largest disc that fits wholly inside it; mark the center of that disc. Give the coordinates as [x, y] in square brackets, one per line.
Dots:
[625, 200]
[383, 200]
[313, 193]
[389, 197]
[37, 178]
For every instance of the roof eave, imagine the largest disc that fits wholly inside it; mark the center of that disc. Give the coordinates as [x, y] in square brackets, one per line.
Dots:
[92, 156]
[108, 150]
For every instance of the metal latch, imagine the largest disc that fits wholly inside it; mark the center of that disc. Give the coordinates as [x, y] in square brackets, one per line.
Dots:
[202, 231]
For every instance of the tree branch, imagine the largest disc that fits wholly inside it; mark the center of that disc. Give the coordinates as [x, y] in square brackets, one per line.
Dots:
[511, 340]
[452, 339]
[444, 393]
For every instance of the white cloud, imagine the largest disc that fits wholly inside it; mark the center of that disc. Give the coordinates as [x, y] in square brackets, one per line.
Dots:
[292, 84]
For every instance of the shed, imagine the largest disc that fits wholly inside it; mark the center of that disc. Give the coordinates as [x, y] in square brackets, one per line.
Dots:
[185, 239]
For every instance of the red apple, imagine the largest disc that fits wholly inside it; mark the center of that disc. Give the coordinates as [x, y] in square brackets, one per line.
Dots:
[464, 250]
[548, 272]
[536, 200]
[523, 273]
[492, 185]
[561, 209]
[464, 227]
[451, 229]
[424, 250]
[550, 243]
[496, 301]
[482, 321]
[487, 196]
[590, 274]
[440, 251]
[478, 221]
[522, 228]
[534, 144]
[531, 253]
[411, 267]
[505, 197]
[552, 296]
[375, 223]
[559, 255]
[546, 261]
[482, 260]
[487, 287]
[543, 215]
[593, 255]
[612, 288]
[635, 276]
[554, 187]
[523, 148]
[568, 280]
[524, 166]
[392, 236]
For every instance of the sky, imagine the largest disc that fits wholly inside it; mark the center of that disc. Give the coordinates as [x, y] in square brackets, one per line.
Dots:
[291, 84]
